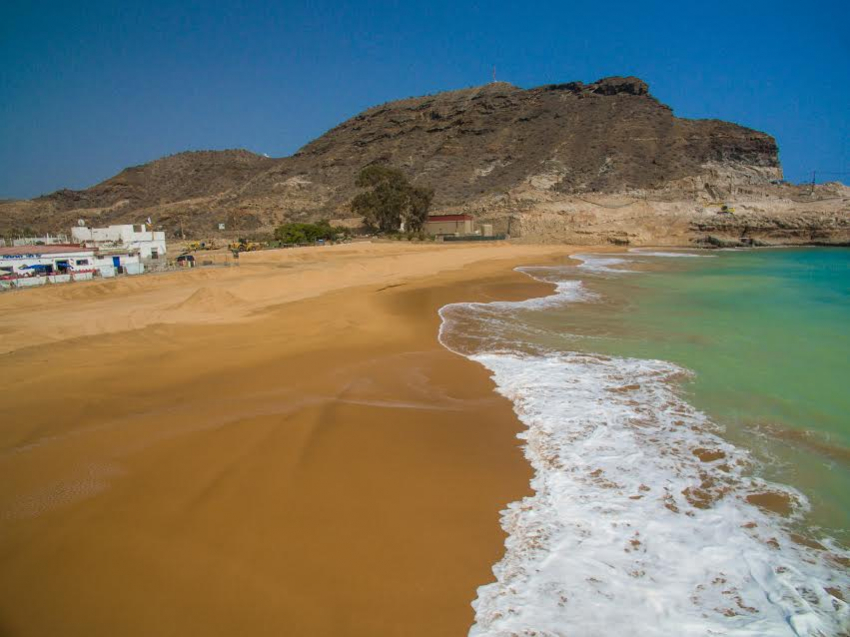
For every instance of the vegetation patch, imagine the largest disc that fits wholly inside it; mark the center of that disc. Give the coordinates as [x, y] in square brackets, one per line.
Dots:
[392, 204]
[308, 233]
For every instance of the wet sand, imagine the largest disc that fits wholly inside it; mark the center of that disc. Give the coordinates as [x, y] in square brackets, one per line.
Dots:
[281, 448]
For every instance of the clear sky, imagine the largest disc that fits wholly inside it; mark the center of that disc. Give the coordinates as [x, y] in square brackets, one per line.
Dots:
[87, 89]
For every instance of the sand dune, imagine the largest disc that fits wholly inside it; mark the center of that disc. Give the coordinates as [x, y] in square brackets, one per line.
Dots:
[207, 299]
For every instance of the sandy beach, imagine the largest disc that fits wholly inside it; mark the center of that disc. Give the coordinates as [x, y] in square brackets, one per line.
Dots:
[281, 448]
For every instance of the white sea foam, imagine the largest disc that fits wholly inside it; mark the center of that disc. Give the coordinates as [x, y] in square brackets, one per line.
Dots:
[629, 531]
[643, 252]
[484, 326]
[599, 263]
[608, 264]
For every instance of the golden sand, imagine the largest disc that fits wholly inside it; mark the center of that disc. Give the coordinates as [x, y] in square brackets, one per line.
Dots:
[281, 448]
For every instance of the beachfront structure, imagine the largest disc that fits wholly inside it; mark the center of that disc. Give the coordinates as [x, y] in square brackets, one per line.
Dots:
[45, 259]
[131, 238]
[24, 266]
[108, 264]
[450, 225]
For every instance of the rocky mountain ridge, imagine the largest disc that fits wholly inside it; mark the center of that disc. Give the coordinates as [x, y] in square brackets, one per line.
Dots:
[549, 163]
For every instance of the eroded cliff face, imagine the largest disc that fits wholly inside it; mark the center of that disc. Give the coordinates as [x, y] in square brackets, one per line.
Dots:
[571, 162]
[609, 136]
[613, 220]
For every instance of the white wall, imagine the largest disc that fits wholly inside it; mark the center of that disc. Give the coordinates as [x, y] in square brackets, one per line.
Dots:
[46, 240]
[126, 236]
[18, 263]
[80, 263]
[105, 264]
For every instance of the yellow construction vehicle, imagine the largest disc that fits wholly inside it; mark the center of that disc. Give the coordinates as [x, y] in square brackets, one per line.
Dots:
[243, 245]
[194, 246]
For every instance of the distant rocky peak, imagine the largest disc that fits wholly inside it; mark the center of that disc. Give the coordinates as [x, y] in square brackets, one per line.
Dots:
[606, 86]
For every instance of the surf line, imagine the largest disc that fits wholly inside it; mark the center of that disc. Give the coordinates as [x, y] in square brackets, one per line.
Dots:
[640, 506]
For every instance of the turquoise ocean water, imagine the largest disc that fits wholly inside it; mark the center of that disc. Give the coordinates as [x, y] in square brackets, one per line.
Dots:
[672, 399]
[767, 335]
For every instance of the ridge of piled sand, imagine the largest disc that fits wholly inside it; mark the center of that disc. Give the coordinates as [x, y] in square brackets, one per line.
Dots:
[206, 299]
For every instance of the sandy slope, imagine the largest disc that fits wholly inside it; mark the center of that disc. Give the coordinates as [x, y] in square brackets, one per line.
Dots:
[281, 448]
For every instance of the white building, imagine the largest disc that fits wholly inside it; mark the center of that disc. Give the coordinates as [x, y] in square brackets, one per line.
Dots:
[132, 238]
[108, 264]
[52, 259]
[24, 266]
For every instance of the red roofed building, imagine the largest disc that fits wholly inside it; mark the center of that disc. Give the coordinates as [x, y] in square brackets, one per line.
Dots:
[28, 265]
[22, 266]
[442, 225]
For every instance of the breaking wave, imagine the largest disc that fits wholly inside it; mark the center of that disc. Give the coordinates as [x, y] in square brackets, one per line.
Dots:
[599, 263]
[644, 520]
[643, 252]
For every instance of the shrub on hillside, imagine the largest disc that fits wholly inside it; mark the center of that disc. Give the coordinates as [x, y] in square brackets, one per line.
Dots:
[308, 233]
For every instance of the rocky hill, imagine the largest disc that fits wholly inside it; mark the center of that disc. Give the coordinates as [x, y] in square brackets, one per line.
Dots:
[179, 177]
[551, 163]
[608, 136]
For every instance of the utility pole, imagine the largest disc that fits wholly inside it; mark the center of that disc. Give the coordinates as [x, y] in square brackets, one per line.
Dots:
[494, 74]
[812, 191]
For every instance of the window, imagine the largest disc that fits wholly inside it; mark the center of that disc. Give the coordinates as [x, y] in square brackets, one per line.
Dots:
[82, 261]
[154, 253]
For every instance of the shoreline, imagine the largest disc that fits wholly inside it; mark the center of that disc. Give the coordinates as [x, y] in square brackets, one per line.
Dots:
[595, 413]
[324, 465]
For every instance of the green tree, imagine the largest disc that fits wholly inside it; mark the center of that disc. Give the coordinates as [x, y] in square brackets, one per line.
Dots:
[391, 200]
[307, 233]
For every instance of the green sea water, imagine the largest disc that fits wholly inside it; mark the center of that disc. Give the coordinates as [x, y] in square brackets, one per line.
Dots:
[688, 421]
[766, 334]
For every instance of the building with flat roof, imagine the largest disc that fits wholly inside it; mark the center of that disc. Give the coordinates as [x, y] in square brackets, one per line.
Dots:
[25, 266]
[132, 238]
[449, 225]
[47, 259]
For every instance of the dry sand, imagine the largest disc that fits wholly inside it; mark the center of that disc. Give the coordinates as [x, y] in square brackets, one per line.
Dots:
[281, 448]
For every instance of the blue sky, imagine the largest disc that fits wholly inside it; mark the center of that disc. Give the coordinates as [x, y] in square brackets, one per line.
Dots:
[87, 89]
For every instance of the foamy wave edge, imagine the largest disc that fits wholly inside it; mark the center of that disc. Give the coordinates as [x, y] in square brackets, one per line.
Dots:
[639, 523]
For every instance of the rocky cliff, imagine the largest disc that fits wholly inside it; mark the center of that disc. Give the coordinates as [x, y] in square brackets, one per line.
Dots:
[608, 136]
[595, 162]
